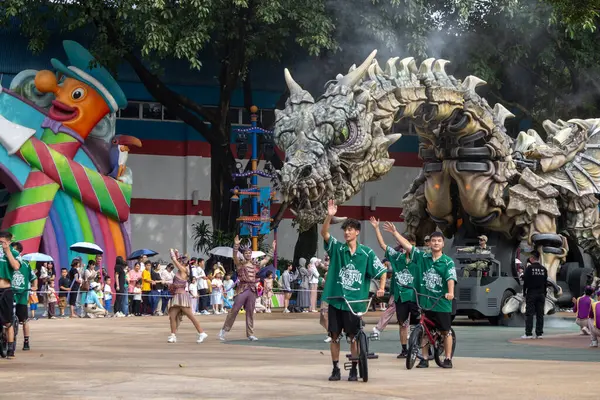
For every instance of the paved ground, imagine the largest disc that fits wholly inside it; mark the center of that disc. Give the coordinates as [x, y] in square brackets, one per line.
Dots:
[129, 358]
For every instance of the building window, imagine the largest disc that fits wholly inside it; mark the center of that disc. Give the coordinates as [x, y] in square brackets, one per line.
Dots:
[168, 116]
[156, 112]
[152, 111]
[132, 111]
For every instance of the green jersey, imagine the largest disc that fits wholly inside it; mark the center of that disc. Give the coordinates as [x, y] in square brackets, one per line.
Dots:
[21, 280]
[404, 274]
[350, 275]
[434, 279]
[6, 270]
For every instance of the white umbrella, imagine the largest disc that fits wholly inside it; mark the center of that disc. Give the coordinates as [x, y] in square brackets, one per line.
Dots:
[41, 257]
[223, 251]
[86, 248]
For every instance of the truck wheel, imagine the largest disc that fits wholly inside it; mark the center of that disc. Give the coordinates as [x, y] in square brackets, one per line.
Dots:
[577, 280]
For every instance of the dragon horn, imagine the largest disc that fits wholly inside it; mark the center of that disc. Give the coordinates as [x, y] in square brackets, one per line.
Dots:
[352, 78]
[291, 83]
[297, 94]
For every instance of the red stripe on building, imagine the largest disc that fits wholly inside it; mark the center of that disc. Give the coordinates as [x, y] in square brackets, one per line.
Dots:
[27, 213]
[202, 149]
[185, 207]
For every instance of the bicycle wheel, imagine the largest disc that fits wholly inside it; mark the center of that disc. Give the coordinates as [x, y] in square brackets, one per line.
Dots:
[414, 345]
[363, 352]
[3, 343]
[439, 348]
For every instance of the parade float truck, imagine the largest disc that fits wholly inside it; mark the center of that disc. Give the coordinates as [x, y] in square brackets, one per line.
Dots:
[483, 297]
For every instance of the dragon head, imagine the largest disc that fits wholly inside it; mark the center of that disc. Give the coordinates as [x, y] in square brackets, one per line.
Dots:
[335, 145]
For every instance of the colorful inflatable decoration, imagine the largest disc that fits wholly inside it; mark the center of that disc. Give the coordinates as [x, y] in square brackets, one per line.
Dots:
[66, 184]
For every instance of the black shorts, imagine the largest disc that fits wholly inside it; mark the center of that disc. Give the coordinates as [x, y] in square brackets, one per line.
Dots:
[442, 320]
[342, 320]
[6, 306]
[405, 309]
[22, 313]
[73, 298]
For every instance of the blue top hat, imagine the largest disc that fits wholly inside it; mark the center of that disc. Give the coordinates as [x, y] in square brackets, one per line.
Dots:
[97, 77]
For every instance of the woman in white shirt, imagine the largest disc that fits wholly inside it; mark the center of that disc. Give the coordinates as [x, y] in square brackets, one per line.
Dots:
[313, 281]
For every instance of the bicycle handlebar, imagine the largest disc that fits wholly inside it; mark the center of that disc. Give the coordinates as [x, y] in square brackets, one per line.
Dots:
[359, 314]
[417, 294]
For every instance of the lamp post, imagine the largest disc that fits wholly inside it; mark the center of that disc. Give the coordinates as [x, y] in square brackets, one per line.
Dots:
[254, 222]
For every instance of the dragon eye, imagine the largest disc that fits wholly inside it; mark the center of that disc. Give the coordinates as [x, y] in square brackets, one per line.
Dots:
[341, 136]
[77, 94]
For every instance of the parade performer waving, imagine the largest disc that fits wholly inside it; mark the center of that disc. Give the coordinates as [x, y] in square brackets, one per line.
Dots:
[246, 270]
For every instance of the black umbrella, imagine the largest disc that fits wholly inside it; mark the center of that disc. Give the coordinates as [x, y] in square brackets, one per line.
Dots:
[142, 252]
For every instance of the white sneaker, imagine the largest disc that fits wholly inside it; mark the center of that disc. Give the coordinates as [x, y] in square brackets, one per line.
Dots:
[268, 311]
[327, 340]
[585, 331]
[594, 343]
[201, 337]
[221, 335]
[204, 312]
[376, 332]
[526, 337]
[252, 338]
[286, 311]
[172, 338]
[539, 337]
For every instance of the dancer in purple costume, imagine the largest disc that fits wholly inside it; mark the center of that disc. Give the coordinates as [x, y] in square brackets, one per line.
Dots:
[247, 269]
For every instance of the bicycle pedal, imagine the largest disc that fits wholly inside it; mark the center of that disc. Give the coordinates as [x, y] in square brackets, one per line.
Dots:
[374, 336]
[347, 366]
[348, 355]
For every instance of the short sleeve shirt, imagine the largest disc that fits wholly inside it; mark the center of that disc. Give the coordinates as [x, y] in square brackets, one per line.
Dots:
[404, 274]
[350, 275]
[6, 271]
[21, 280]
[146, 276]
[434, 278]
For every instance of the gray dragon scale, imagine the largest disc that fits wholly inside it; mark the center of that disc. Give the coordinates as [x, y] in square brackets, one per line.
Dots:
[540, 192]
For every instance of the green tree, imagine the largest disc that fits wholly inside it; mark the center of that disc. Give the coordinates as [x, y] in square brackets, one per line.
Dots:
[142, 33]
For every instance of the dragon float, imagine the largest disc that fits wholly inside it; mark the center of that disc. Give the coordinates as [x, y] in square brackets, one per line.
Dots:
[540, 193]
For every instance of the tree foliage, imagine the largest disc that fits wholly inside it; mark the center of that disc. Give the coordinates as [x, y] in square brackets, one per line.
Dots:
[143, 33]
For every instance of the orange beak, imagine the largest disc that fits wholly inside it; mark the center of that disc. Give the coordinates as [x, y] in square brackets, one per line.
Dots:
[126, 140]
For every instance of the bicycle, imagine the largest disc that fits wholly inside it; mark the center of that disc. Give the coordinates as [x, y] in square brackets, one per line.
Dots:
[4, 336]
[362, 339]
[426, 327]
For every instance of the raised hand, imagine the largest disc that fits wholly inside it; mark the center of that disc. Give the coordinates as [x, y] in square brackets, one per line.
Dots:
[331, 208]
[237, 240]
[389, 227]
[374, 222]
